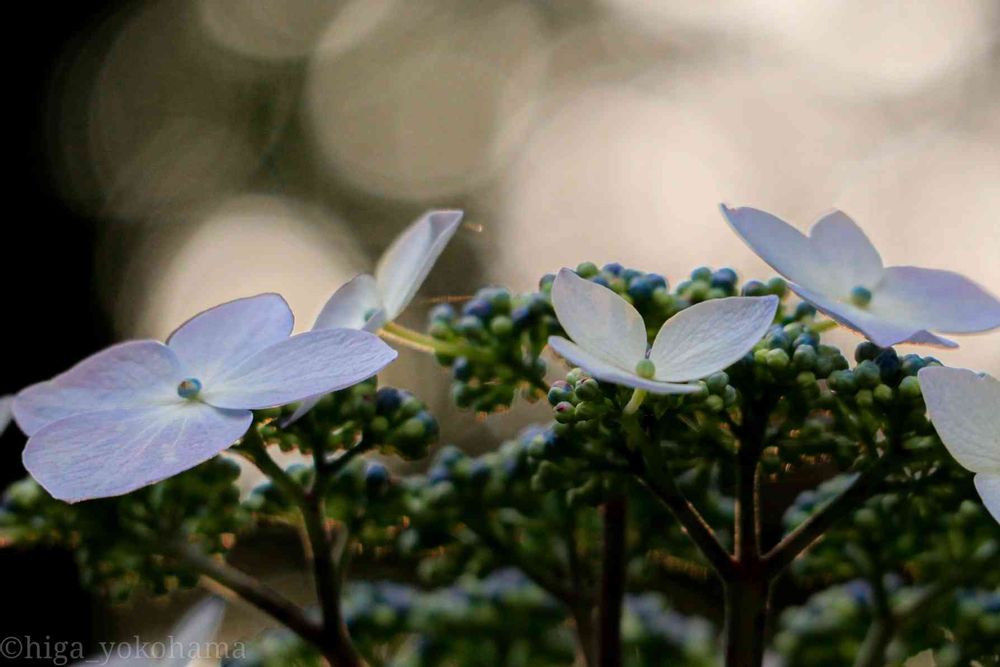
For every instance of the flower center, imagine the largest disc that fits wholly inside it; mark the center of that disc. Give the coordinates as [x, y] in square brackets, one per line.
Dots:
[861, 296]
[645, 369]
[189, 388]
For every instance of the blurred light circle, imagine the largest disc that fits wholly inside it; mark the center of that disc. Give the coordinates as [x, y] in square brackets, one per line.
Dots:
[893, 46]
[616, 174]
[267, 29]
[245, 246]
[172, 124]
[431, 101]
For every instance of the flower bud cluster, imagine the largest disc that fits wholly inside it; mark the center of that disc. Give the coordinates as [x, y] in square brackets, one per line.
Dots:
[497, 338]
[118, 542]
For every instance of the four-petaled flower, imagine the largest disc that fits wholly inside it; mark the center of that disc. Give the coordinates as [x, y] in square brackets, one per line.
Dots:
[965, 409]
[609, 336]
[837, 269]
[141, 411]
[368, 302]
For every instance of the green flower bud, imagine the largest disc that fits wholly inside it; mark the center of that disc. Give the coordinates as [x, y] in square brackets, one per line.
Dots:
[587, 270]
[804, 358]
[645, 369]
[777, 360]
[868, 374]
[909, 387]
[717, 382]
[588, 390]
[883, 393]
[501, 326]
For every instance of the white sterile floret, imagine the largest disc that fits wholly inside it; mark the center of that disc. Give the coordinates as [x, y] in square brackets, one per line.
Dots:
[141, 411]
[838, 270]
[965, 409]
[368, 302]
[609, 336]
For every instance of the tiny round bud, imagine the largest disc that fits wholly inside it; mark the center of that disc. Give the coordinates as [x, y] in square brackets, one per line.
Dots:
[645, 369]
[564, 412]
[777, 286]
[587, 270]
[777, 359]
[189, 388]
[501, 325]
[861, 296]
[702, 274]
[909, 387]
[754, 288]
[717, 382]
[868, 374]
[588, 390]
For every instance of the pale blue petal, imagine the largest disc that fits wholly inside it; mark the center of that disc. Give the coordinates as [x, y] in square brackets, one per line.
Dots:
[405, 264]
[852, 259]
[128, 375]
[316, 362]
[109, 453]
[350, 304]
[879, 330]
[936, 299]
[599, 320]
[965, 410]
[989, 490]
[606, 372]
[221, 337]
[709, 336]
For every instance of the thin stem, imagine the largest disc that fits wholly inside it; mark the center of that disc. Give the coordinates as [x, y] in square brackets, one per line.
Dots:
[252, 591]
[653, 472]
[634, 403]
[583, 610]
[864, 485]
[882, 628]
[612, 583]
[424, 343]
[746, 620]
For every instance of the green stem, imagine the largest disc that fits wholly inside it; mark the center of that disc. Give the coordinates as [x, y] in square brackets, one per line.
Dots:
[612, 583]
[634, 403]
[824, 325]
[424, 343]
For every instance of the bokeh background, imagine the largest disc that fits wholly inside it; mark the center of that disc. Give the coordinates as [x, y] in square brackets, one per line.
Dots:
[171, 155]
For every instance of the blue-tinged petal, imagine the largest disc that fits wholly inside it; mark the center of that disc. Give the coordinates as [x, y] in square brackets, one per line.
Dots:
[879, 330]
[109, 453]
[851, 259]
[315, 362]
[989, 490]
[405, 264]
[352, 306]
[223, 336]
[607, 372]
[965, 410]
[599, 320]
[709, 336]
[128, 375]
[786, 249]
[936, 299]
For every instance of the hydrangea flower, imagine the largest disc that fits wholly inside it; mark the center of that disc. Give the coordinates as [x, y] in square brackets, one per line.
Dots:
[368, 302]
[609, 336]
[965, 409]
[141, 411]
[838, 270]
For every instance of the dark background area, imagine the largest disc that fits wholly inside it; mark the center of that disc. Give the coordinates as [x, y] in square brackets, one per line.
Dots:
[49, 265]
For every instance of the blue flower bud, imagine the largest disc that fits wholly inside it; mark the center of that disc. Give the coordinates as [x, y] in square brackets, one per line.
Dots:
[601, 280]
[889, 363]
[189, 388]
[376, 476]
[640, 289]
[462, 369]
[388, 400]
[521, 316]
[545, 284]
[804, 310]
[724, 278]
[754, 288]
[480, 308]
[443, 312]
[438, 475]
[861, 296]
[702, 274]
[614, 268]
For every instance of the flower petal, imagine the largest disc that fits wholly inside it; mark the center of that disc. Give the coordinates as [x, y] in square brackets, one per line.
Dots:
[349, 304]
[850, 257]
[882, 331]
[709, 336]
[787, 250]
[101, 454]
[315, 362]
[405, 264]
[606, 372]
[197, 628]
[128, 375]
[223, 336]
[936, 299]
[989, 490]
[600, 321]
[965, 410]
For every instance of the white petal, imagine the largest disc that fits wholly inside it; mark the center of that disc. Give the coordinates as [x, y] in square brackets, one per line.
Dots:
[223, 336]
[405, 264]
[599, 320]
[6, 405]
[882, 331]
[965, 410]
[989, 490]
[606, 372]
[302, 410]
[316, 362]
[786, 249]
[197, 628]
[851, 258]
[709, 336]
[128, 375]
[349, 304]
[935, 299]
[101, 454]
